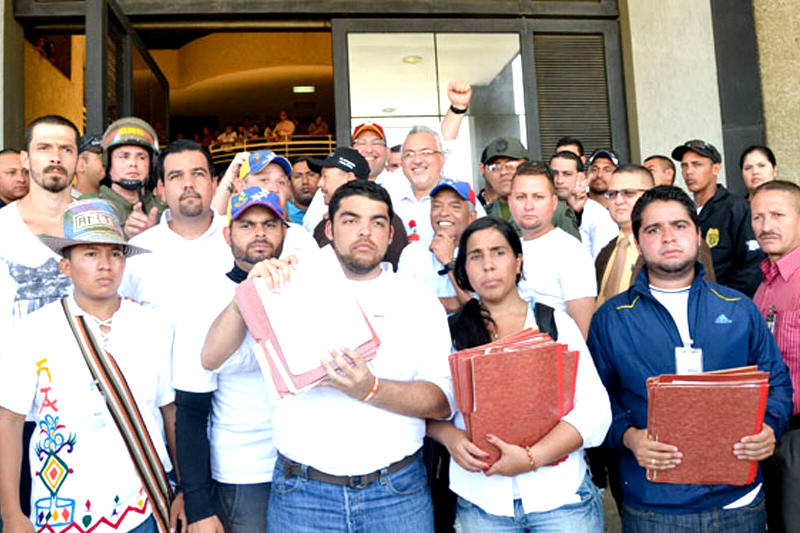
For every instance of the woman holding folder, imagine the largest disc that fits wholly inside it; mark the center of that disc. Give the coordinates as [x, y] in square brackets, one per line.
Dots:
[546, 486]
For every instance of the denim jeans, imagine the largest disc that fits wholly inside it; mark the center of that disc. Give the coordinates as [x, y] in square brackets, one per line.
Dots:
[398, 502]
[148, 526]
[243, 508]
[747, 519]
[585, 516]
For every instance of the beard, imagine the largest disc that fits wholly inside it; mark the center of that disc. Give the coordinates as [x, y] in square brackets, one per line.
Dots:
[250, 257]
[359, 265]
[190, 209]
[51, 182]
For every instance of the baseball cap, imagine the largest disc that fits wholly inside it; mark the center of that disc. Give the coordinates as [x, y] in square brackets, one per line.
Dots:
[90, 142]
[258, 160]
[91, 221]
[239, 203]
[462, 188]
[504, 147]
[604, 153]
[698, 146]
[345, 159]
[368, 126]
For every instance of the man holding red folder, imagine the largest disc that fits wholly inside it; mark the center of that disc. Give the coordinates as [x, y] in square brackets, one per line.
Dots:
[349, 452]
[672, 321]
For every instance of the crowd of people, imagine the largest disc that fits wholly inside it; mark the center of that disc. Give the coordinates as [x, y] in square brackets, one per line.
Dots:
[282, 129]
[131, 396]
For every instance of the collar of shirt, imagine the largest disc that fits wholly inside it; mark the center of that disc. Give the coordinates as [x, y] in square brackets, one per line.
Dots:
[216, 220]
[237, 275]
[786, 266]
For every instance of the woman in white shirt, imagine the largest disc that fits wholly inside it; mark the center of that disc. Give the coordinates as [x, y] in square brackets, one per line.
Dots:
[547, 486]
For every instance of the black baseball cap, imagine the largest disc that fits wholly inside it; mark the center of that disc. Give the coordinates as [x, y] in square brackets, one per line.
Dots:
[510, 147]
[345, 159]
[605, 154]
[698, 146]
[90, 142]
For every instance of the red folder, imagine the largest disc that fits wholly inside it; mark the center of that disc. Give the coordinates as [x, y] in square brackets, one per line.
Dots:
[257, 320]
[517, 388]
[704, 415]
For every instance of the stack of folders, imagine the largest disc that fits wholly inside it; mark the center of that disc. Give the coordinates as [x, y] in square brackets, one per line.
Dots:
[295, 328]
[517, 388]
[704, 415]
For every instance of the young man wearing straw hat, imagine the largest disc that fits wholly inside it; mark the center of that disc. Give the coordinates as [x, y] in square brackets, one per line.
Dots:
[98, 391]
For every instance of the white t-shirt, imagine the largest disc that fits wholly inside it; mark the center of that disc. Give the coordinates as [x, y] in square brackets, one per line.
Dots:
[78, 454]
[29, 274]
[334, 433]
[676, 302]
[314, 213]
[597, 227]
[556, 268]
[549, 487]
[173, 279]
[240, 429]
[418, 263]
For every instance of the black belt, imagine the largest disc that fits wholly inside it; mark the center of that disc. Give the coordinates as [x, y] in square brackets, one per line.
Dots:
[292, 468]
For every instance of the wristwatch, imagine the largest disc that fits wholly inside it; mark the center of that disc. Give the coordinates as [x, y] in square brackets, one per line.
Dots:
[447, 268]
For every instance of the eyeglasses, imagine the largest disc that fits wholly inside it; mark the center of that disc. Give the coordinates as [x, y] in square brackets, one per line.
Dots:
[369, 142]
[511, 166]
[628, 194]
[425, 153]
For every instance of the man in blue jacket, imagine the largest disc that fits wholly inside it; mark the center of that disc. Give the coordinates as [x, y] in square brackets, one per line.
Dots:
[673, 321]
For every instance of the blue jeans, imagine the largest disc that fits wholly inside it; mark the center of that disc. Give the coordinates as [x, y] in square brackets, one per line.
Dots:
[243, 508]
[750, 518]
[585, 516]
[395, 503]
[148, 526]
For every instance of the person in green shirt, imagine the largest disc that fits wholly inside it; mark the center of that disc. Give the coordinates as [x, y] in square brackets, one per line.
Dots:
[499, 162]
[129, 147]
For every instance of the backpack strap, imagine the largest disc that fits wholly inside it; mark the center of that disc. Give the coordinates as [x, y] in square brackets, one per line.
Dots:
[545, 320]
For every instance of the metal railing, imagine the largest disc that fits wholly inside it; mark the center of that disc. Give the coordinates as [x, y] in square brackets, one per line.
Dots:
[317, 146]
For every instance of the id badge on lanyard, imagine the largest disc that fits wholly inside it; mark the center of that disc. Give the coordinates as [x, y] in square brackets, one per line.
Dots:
[688, 360]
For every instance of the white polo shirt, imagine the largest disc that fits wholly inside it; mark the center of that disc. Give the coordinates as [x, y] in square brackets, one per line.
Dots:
[334, 433]
[556, 268]
[78, 450]
[418, 263]
[597, 227]
[549, 487]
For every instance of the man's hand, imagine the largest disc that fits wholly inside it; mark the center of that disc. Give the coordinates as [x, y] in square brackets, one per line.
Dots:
[275, 272]
[459, 93]
[352, 376]
[651, 454]
[578, 195]
[756, 447]
[513, 460]
[232, 173]
[138, 221]
[210, 524]
[177, 512]
[443, 247]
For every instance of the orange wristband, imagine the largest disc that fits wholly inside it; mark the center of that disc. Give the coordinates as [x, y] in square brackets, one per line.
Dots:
[372, 391]
[530, 457]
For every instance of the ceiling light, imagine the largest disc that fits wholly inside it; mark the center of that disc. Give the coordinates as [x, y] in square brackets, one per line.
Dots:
[303, 89]
[412, 60]
[388, 109]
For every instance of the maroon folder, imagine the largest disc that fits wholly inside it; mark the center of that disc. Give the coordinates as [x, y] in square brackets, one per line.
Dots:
[517, 388]
[704, 415]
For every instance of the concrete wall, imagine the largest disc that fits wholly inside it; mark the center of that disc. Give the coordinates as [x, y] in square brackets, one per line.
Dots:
[48, 91]
[778, 34]
[670, 75]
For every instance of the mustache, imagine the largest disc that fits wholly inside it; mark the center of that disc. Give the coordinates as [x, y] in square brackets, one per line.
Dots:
[768, 234]
[190, 193]
[51, 168]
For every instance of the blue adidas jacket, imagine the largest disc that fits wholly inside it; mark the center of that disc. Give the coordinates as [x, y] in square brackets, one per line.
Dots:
[633, 337]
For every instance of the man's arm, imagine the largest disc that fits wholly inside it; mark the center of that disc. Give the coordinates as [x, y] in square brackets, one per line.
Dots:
[581, 309]
[10, 459]
[224, 336]
[459, 93]
[420, 399]
[227, 185]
